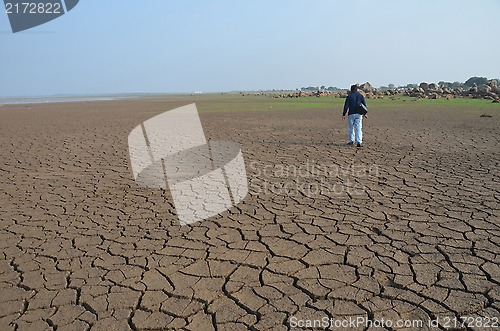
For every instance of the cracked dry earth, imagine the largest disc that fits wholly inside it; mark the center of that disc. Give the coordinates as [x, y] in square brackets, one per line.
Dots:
[404, 228]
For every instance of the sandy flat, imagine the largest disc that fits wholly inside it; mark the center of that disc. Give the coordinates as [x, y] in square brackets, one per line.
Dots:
[404, 228]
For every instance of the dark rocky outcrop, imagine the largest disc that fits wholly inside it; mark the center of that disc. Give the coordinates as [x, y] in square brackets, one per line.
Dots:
[490, 91]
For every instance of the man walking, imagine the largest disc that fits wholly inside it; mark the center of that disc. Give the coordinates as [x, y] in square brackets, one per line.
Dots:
[356, 105]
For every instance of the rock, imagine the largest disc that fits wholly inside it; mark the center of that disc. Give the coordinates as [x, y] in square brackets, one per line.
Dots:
[492, 95]
[424, 86]
[433, 86]
[416, 93]
[363, 93]
[483, 88]
[367, 87]
[495, 90]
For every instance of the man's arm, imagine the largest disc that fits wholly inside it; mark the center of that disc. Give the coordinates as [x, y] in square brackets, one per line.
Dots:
[363, 100]
[364, 104]
[346, 106]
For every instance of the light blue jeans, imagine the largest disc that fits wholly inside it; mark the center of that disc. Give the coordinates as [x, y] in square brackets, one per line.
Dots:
[355, 128]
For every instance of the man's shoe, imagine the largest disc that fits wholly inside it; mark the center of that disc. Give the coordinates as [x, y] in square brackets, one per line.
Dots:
[359, 145]
[351, 143]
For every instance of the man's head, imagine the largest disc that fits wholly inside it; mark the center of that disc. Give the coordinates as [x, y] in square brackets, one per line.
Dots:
[354, 88]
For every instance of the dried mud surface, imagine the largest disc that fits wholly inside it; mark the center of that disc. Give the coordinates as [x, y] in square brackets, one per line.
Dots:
[404, 228]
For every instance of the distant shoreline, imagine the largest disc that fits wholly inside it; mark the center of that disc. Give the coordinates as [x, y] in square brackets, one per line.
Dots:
[65, 98]
[89, 98]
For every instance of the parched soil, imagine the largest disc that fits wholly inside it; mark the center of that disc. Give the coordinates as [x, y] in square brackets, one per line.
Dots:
[405, 228]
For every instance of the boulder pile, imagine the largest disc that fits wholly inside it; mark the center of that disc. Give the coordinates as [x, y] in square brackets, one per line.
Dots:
[303, 94]
[490, 91]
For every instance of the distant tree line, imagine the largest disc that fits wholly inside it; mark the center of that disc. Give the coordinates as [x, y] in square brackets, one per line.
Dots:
[319, 88]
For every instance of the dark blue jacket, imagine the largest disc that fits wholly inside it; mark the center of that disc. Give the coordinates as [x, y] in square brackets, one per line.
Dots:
[352, 101]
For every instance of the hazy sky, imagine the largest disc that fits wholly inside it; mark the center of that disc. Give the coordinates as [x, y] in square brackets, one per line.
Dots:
[121, 46]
